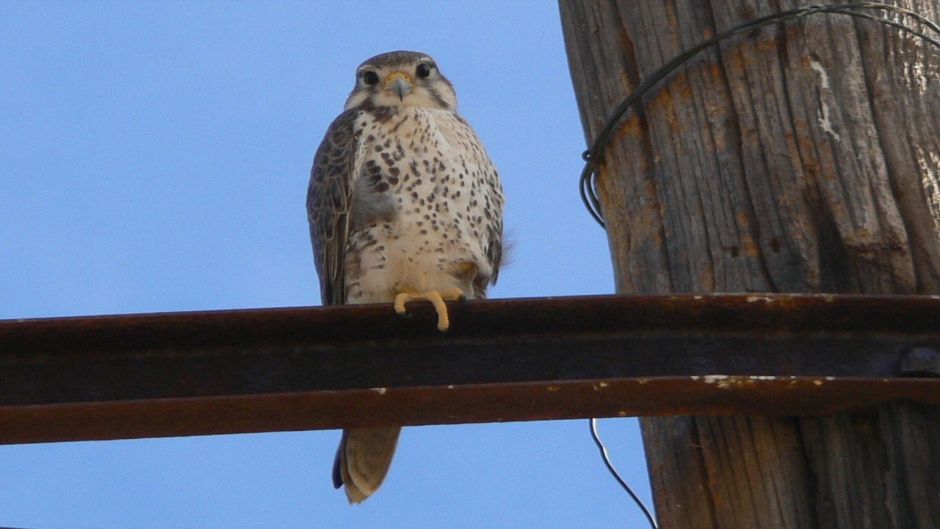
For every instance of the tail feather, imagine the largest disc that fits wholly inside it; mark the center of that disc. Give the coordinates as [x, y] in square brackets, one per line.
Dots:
[363, 459]
[338, 463]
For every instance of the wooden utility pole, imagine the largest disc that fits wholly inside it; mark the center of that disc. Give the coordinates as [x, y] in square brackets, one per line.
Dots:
[803, 157]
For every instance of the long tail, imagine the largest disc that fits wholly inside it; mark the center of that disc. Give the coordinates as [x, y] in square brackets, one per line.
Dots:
[362, 460]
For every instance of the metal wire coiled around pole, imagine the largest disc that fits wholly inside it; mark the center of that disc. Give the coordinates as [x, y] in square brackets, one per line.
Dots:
[594, 156]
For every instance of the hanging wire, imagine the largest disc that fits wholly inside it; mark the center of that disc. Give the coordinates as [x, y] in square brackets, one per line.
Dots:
[593, 156]
[617, 476]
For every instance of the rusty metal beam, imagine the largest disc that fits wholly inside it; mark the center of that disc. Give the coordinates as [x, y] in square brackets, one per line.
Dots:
[152, 375]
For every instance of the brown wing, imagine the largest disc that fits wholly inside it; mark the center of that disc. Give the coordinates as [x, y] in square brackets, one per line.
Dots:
[328, 201]
[494, 252]
[493, 242]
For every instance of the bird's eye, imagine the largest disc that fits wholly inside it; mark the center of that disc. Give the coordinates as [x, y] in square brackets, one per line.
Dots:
[369, 77]
[423, 70]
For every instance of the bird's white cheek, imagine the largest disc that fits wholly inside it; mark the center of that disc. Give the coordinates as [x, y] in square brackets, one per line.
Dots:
[355, 99]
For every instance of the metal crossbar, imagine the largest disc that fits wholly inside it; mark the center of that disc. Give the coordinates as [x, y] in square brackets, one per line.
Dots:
[154, 375]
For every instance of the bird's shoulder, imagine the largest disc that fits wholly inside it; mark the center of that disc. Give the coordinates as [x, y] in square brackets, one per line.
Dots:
[339, 140]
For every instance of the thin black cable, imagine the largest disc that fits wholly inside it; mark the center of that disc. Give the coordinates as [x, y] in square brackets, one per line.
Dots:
[617, 476]
[594, 155]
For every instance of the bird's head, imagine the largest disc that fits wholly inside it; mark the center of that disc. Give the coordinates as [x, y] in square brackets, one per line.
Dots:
[401, 79]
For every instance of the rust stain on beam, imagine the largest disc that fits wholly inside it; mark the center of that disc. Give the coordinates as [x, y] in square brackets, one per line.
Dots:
[504, 360]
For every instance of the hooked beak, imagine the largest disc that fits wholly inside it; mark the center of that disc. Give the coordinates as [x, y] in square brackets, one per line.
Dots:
[398, 83]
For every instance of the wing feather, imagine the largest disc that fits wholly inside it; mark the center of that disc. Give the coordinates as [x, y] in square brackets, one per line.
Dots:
[329, 198]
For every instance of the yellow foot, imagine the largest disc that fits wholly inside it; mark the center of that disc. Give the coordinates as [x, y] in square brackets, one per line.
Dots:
[435, 297]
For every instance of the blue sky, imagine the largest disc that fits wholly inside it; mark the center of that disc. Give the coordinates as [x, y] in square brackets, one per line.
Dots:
[155, 157]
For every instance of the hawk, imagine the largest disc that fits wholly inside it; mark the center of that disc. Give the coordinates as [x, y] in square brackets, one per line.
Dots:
[404, 204]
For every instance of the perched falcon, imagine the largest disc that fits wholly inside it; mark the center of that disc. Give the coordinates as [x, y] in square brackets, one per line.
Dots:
[404, 204]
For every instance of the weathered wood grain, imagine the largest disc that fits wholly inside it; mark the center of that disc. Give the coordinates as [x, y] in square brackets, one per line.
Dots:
[802, 157]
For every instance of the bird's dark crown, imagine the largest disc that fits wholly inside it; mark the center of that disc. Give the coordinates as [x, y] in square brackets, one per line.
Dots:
[395, 58]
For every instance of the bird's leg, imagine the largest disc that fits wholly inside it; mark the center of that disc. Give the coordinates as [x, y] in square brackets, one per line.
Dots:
[437, 297]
